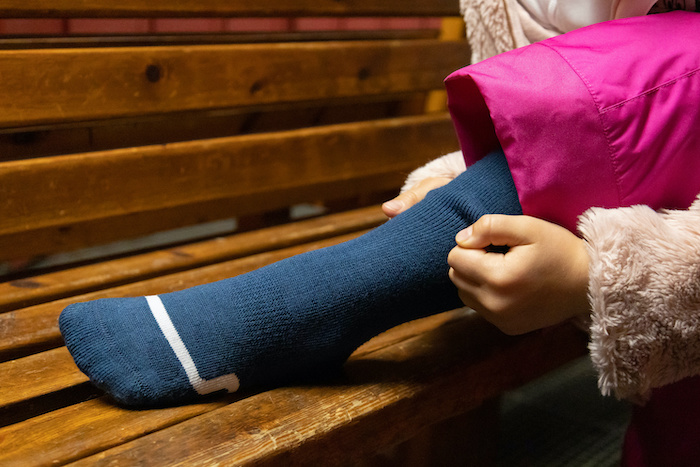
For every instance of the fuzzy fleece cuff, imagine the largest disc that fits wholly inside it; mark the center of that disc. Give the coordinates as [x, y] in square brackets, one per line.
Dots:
[645, 295]
[447, 166]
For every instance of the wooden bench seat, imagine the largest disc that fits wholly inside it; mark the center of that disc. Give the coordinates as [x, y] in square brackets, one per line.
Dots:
[415, 376]
[116, 138]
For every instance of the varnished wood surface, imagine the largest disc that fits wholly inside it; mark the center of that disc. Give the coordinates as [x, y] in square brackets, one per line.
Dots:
[396, 385]
[83, 194]
[96, 83]
[101, 231]
[27, 330]
[99, 135]
[70, 433]
[214, 8]
[37, 375]
[231, 174]
[46, 287]
[92, 41]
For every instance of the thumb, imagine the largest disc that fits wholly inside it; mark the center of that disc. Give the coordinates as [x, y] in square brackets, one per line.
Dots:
[496, 229]
[396, 206]
[413, 196]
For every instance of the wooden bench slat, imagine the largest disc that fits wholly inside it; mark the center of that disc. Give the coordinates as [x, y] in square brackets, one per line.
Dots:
[36, 328]
[406, 379]
[388, 397]
[99, 135]
[237, 171]
[42, 288]
[101, 231]
[140, 81]
[73, 432]
[53, 371]
[214, 8]
[90, 421]
[38, 375]
[91, 41]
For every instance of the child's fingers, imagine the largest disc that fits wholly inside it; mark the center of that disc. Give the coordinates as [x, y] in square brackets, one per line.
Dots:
[474, 266]
[468, 290]
[496, 229]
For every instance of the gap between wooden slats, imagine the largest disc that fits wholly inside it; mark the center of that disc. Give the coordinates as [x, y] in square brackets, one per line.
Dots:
[89, 84]
[234, 174]
[78, 137]
[41, 383]
[51, 286]
[156, 39]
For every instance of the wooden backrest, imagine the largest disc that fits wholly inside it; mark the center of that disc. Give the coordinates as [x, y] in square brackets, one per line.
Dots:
[109, 138]
[105, 138]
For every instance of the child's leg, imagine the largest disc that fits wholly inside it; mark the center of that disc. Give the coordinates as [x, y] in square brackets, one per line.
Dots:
[300, 316]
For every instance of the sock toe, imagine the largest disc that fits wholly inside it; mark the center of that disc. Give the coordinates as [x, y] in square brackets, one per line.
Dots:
[116, 343]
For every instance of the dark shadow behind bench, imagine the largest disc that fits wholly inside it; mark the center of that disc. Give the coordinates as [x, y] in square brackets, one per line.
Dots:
[113, 138]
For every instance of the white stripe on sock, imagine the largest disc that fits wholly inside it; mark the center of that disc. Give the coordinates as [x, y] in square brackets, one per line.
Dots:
[228, 382]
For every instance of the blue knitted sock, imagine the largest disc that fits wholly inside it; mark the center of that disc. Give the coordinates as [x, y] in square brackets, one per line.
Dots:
[299, 317]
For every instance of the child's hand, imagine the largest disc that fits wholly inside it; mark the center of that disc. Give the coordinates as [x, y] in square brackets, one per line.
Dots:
[541, 280]
[411, 197]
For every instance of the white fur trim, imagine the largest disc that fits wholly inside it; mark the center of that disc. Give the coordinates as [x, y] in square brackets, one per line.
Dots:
[645, 293]
[447, 166]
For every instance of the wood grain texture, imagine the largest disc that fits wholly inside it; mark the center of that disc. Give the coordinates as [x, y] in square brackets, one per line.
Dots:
[37, 376]
[100, 231]
[238, 173]
[408, 378]
[219, 8]
[73, 432]
[100, 135]
[388, 397]
[42, 288]
[97, 83]
[81, 429]
[35, 328]
[124, 40]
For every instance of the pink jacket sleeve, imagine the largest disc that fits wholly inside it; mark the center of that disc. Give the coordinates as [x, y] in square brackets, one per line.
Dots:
[645, 295]
[606, 115]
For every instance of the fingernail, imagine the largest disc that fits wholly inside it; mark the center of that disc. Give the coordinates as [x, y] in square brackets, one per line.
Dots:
[464, 235]
[394, 205]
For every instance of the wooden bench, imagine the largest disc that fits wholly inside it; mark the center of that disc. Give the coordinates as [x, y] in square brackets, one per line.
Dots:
[112, 138]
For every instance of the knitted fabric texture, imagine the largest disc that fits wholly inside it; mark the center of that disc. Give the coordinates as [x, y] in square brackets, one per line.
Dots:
[298, 318]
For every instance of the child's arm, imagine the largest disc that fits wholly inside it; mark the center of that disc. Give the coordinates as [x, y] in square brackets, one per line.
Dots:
[643, 279]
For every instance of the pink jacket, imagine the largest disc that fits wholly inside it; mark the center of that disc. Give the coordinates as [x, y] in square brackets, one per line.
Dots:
[607, 116]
